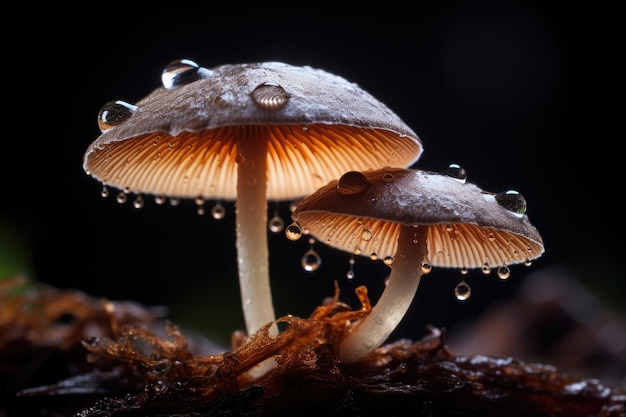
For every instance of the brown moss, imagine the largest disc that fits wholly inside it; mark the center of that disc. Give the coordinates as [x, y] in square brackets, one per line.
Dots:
[132, 369]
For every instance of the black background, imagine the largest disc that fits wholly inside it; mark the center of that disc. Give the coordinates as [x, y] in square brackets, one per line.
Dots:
[527, 95]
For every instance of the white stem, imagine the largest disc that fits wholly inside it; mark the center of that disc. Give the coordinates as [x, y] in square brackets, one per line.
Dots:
[252, 250]
[405, 276]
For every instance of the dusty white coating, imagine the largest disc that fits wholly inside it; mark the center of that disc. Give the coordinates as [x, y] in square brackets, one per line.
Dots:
[468, 227]
[223, 99]
[419, 197]
[185, 141]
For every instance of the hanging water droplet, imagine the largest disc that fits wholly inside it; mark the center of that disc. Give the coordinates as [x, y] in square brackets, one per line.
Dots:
[179, 72]
[512, 201]
[159, 199]
[464, 271]
[352, 182]
[486, 269]
[218, 211]
[293, 205]
[311, 260]
[426, 266]
[528, 262]
[200, 204]
[357, 250]
[457, 172]
[121, 197]
[276, 224]
[293, 231]
[504, 272]
[104, 193]
[373, 256]
[174, 201]
[350, 273]
[138, 202]
[113, 113]
[388, 260]
[462, 291]
[270, 96]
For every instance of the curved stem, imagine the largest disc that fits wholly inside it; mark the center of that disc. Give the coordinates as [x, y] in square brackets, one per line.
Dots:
[395, 300]
[252, 245]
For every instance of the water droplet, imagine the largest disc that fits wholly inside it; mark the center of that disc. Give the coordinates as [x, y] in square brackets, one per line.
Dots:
[174, 201]
[388, 260]
[270, 96]
[366, 234]
[311, 260]
[138, 202]
[113, 113]
[464, 271]
[426, 266]
[179, 72]
[373, 256]
[276, 224]
[457, 172]
[293, 231]
[104, 193]
[528, 262]
[388, 177]
[218, 211]
[357, 250]
[512, 201]
[462, 291]
[200, 204]
[159, 199]
[293, 205]
[121, 197]
[504, 272]
[350, 273]
[352, 182]
[485, 269]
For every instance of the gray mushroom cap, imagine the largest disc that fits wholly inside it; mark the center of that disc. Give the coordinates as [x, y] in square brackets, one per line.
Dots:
[182, 141]
[468, 227]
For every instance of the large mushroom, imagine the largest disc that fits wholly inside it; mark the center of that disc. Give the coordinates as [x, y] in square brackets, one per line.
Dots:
[249, 133]
[415, 220]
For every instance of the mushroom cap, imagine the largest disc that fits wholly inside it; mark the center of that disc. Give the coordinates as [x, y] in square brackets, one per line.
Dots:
[362, 212]
[182, 141]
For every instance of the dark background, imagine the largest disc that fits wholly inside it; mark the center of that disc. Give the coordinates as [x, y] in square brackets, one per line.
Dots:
[527, 95]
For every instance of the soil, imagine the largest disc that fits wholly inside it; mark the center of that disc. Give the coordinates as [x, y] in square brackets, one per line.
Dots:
[64, 353]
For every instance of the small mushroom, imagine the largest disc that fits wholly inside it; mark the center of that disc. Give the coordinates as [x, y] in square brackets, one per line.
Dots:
[415, 220]
[250, 133]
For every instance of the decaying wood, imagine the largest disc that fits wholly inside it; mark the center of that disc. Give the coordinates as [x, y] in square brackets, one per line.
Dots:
[121, 359]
